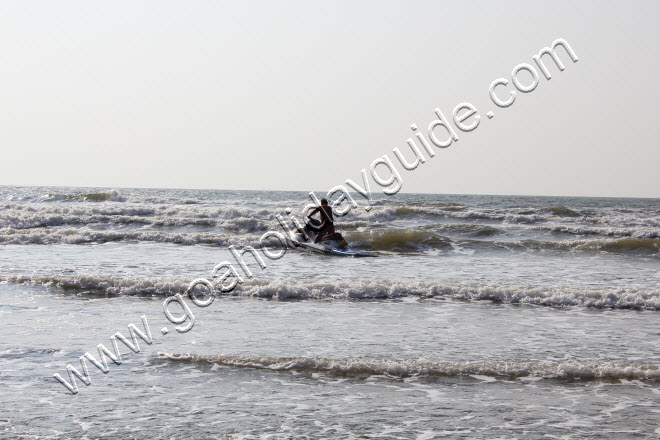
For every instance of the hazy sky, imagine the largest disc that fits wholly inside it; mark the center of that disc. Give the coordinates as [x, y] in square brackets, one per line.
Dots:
[303, 95]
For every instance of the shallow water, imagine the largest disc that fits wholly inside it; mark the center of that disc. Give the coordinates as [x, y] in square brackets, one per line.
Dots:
[483, 317]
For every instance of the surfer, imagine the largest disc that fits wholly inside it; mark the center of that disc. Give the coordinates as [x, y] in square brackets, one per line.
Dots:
[322, 232]
[327, 222]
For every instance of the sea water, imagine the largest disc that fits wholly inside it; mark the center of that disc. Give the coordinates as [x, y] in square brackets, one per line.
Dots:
[483, 317]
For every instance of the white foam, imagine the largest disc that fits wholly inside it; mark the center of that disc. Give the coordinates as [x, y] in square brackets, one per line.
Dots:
[406, 368]
[105, 285]
[45, 236]
[15, 216]
[566, 296]
[536, 295]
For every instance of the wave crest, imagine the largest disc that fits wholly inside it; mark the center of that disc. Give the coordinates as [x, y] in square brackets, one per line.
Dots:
[45, 236]
[616, 298]
[617, 246]
[408, 368]
[402, 240]
[602, 298]
[104, 285]
[106, 196]
[236, 219]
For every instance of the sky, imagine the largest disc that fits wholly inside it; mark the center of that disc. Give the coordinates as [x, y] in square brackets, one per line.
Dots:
[304, 95]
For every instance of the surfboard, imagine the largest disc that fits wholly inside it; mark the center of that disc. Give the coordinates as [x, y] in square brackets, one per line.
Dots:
[327, 248]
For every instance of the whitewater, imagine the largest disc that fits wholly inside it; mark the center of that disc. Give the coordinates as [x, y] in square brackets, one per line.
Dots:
[529, 311]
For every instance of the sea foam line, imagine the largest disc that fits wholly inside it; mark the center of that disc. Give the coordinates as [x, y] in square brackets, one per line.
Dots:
[408, 368]
[294, 289]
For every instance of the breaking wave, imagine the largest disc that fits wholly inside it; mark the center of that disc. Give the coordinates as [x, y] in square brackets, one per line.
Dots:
[292, 289]
[626, 222]
[402, 240]
[408, 368]
[470, 229]
[605, 231]
[533, 295]
[111, 286]
[562, 211]
[618, 246]
[231, 218]
[45, 236]
[414, 240]
[107, 196]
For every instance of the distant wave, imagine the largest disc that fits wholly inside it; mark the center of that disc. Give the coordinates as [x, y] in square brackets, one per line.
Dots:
[623, 246]
[408, 368]
[112, 195]
[562, 211]
[650, 246]
[107, 196]
[615, 298]
[522, 216]
[22, 352]
[469, 229]
[605, 231]
[17, 216]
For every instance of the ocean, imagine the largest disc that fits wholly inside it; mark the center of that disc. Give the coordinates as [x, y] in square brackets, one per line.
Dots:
[482, 317]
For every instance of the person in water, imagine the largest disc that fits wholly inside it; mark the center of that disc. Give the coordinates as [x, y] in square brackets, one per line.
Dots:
[327, 221]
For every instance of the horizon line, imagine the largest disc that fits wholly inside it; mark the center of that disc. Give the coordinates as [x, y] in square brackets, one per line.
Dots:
[307, 191]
